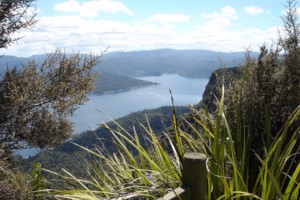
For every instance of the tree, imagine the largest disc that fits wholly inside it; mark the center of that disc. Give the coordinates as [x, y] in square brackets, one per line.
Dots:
[268, 94]
[36, 100]
[291, 65]
[14, 16]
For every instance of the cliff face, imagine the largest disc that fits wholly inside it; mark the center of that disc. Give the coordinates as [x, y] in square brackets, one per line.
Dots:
[212, 91]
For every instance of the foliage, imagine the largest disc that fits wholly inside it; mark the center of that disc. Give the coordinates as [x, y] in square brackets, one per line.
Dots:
[291, 63]
[159, 118]
[14, 185]
[37, 180]
[14, 16]
[267, 95]
[71, 157]
[148, 174]
[56, 160]
[35, 101]
[231, 172]
[260, 132]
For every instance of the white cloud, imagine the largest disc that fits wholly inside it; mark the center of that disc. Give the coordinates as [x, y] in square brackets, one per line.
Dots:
[221, 19]
[75, 32]
[170, 18]
[225, 12]
[254, 10]
[167, 19]
[92, 8]
[284, 12]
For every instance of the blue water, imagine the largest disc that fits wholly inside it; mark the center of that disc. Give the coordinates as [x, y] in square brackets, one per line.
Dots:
[100, 108]
[103, 108]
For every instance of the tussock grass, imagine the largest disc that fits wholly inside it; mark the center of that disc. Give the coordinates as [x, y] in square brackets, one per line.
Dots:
[149, 172]
[229, 162]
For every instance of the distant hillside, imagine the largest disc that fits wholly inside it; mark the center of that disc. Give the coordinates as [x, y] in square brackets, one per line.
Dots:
[190, 63]
[110, 83]
[159, 119]
[11, 61]
[106, 83]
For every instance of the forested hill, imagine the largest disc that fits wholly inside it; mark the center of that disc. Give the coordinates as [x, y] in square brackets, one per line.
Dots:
[110, 83]
[66, 156]
[225, 76]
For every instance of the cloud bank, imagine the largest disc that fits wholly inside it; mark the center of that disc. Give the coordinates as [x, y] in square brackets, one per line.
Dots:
[78, 27]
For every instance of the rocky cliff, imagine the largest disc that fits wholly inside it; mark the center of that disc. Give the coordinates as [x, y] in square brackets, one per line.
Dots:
[212, 91]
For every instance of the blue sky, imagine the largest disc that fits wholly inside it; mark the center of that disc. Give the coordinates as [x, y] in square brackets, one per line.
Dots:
[129, 25]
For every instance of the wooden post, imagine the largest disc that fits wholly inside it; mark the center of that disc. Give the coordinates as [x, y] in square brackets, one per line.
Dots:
[180, 193]
[195, 175]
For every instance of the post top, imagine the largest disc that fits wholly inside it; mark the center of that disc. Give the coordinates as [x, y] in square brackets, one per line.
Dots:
[195, 156]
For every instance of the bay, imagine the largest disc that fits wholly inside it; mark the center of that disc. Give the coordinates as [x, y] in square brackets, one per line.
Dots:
[103, 108]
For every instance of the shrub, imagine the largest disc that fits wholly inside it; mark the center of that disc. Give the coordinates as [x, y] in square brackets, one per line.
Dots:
[14, 185]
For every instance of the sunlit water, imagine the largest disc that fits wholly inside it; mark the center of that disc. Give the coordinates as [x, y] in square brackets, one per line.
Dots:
[100, 108]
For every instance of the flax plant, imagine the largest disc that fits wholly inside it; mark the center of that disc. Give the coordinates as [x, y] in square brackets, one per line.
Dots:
[229, 163]
[146, 172]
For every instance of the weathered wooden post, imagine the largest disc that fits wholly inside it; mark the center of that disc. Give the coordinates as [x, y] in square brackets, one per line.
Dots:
[195, 175]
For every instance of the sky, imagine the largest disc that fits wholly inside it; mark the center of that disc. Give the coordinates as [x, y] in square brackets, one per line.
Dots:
[132, 25]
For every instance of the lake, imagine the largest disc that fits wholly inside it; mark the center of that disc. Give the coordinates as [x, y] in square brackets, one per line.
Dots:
[101, 108]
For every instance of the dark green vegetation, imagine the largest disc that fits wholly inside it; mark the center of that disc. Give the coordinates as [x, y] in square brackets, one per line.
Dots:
[223, 76]
[67, 154]
[111, 83]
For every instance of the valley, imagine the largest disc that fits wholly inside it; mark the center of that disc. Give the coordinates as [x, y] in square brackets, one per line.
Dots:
[134, 81]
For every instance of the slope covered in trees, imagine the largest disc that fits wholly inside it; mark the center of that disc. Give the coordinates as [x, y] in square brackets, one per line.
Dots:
[67, 155]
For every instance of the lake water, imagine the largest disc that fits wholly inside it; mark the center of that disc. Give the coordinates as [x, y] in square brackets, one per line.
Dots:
[101, 108]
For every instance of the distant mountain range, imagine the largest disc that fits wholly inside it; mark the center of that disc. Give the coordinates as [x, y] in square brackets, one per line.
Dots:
[119, 68]
[189, 63]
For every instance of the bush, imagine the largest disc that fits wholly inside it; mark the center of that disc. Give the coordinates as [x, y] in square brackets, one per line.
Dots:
[14, 185]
